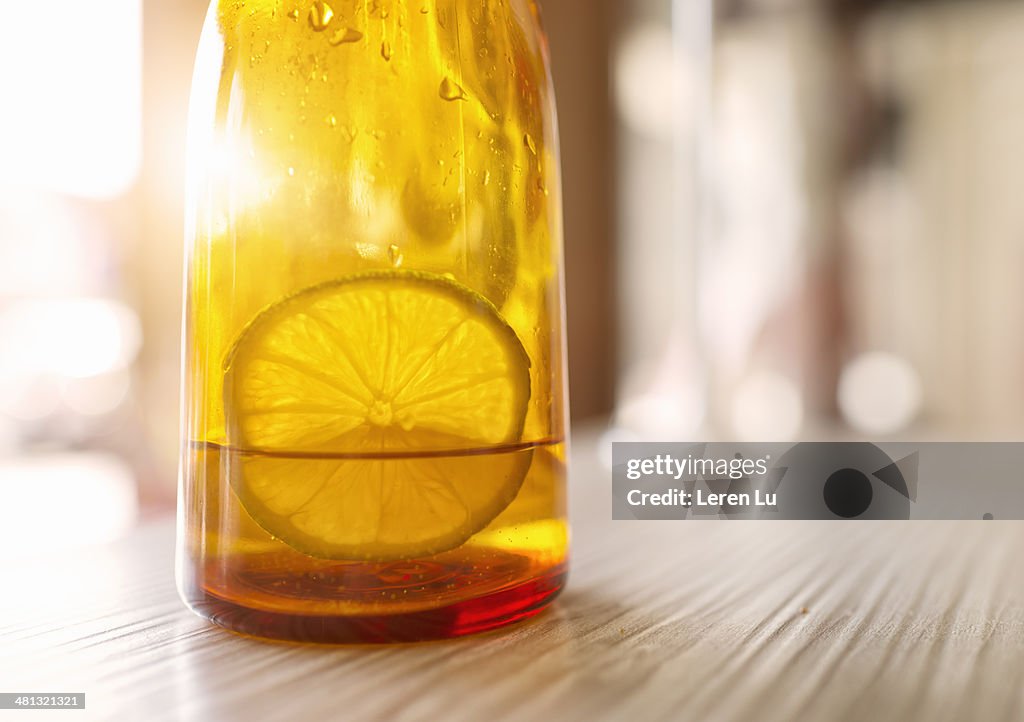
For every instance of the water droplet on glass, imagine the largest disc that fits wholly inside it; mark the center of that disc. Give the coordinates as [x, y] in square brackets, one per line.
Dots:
[332, 121]
[385, 50]
[294, 15]
[395, 255]
[528, 142]
[450, 90]
[291, 172]
[487, 177]
[320, 16]
[346, 35]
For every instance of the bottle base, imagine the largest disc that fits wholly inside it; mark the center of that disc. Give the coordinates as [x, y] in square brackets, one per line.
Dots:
[472, 616]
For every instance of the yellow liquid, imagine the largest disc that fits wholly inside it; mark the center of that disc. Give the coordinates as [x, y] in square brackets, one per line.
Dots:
[329, 139]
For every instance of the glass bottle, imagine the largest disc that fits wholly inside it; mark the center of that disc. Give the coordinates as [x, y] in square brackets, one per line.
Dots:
[374, 407]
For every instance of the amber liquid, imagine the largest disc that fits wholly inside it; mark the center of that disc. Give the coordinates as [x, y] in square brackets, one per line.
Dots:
[243, 578]
[329, 139]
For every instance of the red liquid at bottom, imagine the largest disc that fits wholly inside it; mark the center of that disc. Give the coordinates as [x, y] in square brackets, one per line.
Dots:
[470, 616]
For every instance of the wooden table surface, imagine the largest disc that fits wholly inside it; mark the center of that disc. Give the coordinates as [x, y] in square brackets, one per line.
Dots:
[662, 620]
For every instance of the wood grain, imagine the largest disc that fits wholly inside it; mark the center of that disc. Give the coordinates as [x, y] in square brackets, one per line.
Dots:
[661, 620]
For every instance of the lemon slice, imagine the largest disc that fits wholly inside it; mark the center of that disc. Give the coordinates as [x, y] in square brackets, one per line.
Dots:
[378, 416]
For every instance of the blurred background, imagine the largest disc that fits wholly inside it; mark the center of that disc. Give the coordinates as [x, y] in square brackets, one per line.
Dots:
[784, 218]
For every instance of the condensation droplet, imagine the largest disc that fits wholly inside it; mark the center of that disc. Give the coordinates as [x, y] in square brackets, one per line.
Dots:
[450, 90]
[385, 50]
[528, 142]
[346, 35]
[294, 15]
[487, 177]
[320, 16]
[332, 121]
[291, 172]
[395, 255]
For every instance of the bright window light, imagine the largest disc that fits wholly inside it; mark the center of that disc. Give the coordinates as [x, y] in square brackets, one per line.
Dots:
[73, 338]
[62, 502]
[71, 83]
